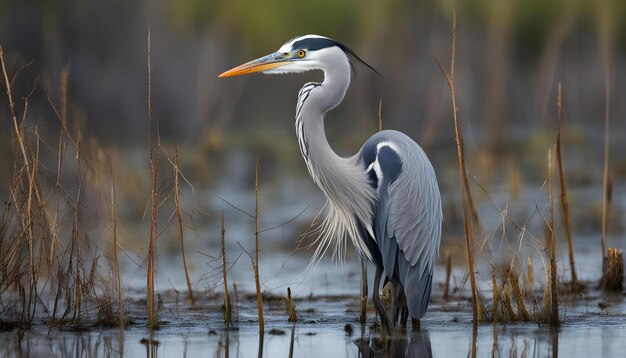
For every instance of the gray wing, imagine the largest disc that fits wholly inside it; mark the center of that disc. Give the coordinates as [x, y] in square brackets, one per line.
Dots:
[407, 215]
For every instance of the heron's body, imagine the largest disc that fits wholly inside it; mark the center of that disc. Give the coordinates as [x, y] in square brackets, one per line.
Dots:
[384, 199]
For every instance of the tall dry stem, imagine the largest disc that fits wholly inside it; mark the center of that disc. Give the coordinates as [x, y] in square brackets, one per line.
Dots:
[179, 217]
[605, 40]
[228, 315]
[116, 262]
[56, 226]
[467, 204]
[255, 266]
[551, 236]
[564, 201]
[154, 167]
[380, 114]
[363, 314]
[76, 235]
[496, 297]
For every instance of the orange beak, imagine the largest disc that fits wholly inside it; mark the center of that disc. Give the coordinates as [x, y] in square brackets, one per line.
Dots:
[261, 64]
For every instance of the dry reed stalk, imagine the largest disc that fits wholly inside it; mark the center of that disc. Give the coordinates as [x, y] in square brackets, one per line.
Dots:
[76, 235]
[293, 317]
[56, 227]
[154, 167]
[494, 313]
[363, 314]
[116, 263]
[226, 346]
[554, 294]
[519, 296]
[179, 217]
[261, 340]
[19, 128]
[515, 182]
[496, 298]
[446, 287]
[32, 271]
[498, 32]
[474, 349]
[505, 297]
[380, 114]
[614, 280]
[466, 195]
[605, 39]
[236, 293]
[564, 201]
[228, 314]
[18, 131]
[291, 341]
[255, 265]
[530, 273]
[28, 222]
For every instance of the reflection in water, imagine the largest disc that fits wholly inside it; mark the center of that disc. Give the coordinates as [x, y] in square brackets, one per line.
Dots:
[261, 338]
[554, 341]
[151, 345]
[227, 345]
[474, 339]
[320, 340]
[415, 345]
[293, 332]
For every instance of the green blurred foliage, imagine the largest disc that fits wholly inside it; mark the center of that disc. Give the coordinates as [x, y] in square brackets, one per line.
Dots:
[263, 24]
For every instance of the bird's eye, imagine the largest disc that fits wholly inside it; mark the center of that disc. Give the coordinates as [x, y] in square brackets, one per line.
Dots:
[285, 54]
[300, 53]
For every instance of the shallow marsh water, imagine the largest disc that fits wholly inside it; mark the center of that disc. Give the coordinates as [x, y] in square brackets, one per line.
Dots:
[594, 325]
[327, 295]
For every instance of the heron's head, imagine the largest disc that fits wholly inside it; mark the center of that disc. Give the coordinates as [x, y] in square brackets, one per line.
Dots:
[301, 54]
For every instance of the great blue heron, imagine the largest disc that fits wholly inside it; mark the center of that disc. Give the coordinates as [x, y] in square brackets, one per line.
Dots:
[385, 198]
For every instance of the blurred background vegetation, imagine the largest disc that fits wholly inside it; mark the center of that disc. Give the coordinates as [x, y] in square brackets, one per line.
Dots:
[511, 53]
[510, 56]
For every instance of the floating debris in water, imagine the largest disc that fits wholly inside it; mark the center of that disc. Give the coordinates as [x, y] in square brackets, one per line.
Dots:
[348, 329]
[276, 332]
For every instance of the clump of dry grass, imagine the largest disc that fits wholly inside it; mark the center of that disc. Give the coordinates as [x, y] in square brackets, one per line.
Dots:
[50, 266]
[519, 296]
[613, 280]
[293, 317]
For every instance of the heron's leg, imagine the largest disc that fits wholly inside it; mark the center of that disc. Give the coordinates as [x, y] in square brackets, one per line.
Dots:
[363, 317]
[405, 316]
[384, 317]
[400, 309]
[415, 323]
[397, 302]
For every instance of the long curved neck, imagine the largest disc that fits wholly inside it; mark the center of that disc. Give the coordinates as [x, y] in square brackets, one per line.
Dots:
[314, 100]
[343, 180]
